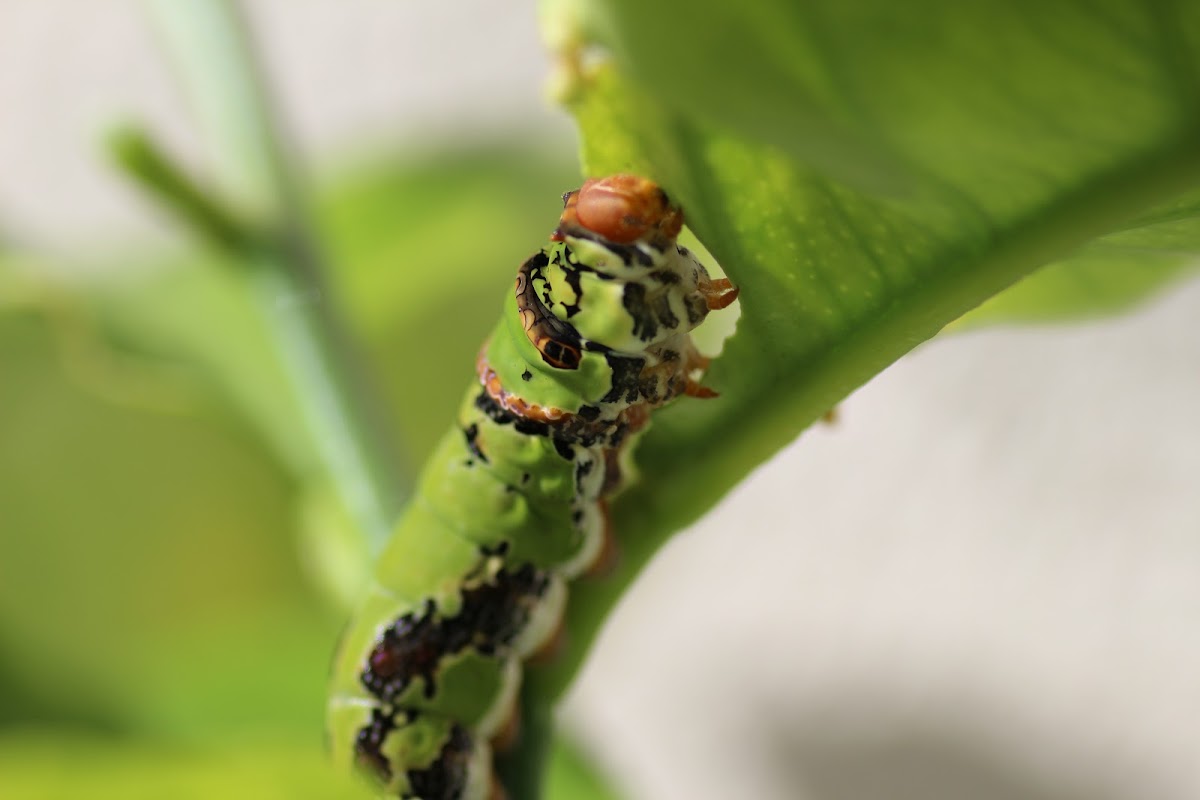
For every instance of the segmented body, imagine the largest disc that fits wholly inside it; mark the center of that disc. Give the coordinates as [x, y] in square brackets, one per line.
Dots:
[512, 504]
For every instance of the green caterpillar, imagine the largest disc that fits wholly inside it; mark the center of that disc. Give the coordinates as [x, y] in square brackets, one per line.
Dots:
[511, 505]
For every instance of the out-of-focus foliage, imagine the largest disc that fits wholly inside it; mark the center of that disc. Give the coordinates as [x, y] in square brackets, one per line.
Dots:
[134, 546]
[572, 776]
[1107, 275]
[44, 766]
[155, 606]
[423, 248]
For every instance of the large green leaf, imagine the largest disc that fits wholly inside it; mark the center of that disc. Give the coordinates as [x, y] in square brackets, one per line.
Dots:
[1111, 273]
[998, 137]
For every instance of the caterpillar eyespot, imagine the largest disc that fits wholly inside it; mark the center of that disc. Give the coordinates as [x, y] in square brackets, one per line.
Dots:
[512, 504]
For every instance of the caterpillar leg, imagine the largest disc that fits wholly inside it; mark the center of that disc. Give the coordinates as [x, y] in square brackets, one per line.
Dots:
[695, 364]
[718, 293]
[696, 389]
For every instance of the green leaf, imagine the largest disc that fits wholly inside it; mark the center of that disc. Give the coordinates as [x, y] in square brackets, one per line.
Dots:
[197, 315]
[997, 136]
[572, 776]
[155, 549]
[38, 767]
[1110, 274]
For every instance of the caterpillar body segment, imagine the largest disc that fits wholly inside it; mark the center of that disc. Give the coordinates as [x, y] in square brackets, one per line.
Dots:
[511, 505]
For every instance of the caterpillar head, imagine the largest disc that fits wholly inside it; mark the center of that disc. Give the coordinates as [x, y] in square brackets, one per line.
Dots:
[621, 209]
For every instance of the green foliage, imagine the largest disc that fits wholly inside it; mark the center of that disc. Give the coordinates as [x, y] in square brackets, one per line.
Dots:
[869, 173]
[118, 526]
[1109, 274]
[571, 775]
[1006, 154]
[148, 530]
[40, 767]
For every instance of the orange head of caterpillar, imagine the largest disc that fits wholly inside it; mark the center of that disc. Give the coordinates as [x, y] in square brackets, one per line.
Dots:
[622, 209]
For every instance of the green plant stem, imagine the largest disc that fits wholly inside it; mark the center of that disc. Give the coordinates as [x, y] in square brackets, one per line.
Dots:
[142, 159]
[318, 355]
[213, 55]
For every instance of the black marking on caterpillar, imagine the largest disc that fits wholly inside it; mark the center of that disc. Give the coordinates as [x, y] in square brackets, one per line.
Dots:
[574, 280]
[564, 449]
[697, 308]
[556, 341]
[649, 311]
[628, 254]
[410, 648]
[368, 745]
[445, 778]
[626, 378]
[415, 645]
[471, 434]
[585, 428]
[589, 413]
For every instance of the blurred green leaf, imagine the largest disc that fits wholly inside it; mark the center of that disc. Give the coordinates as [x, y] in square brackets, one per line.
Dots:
[572, 776]
[51, 767]
[199, 620]
[1110, 274]
[146, 564]
[424, 246]
[1020, 133]
[198, 314]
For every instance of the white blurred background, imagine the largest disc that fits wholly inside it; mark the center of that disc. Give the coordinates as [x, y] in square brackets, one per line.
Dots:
[982, 583]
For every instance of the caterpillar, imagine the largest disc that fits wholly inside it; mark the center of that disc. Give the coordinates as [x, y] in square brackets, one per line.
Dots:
[512, 504]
